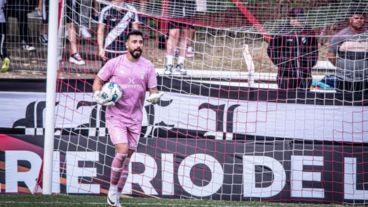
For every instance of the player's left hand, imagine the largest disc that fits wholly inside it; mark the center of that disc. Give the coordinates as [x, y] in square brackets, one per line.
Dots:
[155, 97]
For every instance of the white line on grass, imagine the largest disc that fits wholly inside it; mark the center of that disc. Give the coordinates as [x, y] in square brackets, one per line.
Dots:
[103, 203]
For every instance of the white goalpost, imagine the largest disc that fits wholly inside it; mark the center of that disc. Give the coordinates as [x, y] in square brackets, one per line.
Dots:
[52, 70]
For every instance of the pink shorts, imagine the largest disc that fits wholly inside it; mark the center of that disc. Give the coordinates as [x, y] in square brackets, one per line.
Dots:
[123, 133]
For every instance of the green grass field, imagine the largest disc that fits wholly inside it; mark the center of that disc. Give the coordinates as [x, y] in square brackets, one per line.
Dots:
[61, 200]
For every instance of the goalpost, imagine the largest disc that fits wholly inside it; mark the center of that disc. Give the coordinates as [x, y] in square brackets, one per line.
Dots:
[224, 131]
[52, 68]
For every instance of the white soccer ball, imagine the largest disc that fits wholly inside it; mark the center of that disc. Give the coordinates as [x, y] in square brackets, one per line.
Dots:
[111, 92]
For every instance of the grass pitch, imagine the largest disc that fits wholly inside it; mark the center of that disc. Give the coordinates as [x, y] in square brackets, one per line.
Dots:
[96, 201]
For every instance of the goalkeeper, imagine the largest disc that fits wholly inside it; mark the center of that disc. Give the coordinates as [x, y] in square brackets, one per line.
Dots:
[135, 75]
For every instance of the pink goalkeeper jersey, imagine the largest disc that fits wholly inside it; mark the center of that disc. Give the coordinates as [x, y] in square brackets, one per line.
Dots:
[135, 78]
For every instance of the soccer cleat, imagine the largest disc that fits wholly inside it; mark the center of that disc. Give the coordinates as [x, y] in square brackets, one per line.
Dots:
[113, 198]
[179, 69]
[43, 39]
[5, 66]
[84, 33]
[168, 69]
[76, 59]
[189, 53]
[27, 47]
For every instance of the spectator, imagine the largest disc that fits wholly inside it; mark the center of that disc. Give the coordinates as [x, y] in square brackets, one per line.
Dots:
[116, 20]
[19, 10]
[348, 50]
[37, 12]
[85, 16]
[72, 17]
[43, 6]
[190, 51]
[3, 52]
[95, 11]
[143, 6]
[294, 51]
[179, 34]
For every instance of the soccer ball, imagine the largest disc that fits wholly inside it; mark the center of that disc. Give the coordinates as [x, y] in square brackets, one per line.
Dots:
[111, 92]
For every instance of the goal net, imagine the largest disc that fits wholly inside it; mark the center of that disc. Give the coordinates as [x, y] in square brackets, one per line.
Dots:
[259, 115]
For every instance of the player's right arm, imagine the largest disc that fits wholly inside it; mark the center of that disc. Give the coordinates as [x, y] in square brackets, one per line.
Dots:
[97, 84]
[103, 74]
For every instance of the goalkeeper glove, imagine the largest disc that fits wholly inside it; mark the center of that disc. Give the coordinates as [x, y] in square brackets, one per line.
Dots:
[155, 97]
[101, 100]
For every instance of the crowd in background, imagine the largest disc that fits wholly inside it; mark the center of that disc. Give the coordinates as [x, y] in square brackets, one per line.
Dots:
[294, 50]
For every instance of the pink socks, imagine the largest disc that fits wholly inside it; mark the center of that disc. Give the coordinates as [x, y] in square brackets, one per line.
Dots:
[124, 175]
[117, 167]
[119, 171]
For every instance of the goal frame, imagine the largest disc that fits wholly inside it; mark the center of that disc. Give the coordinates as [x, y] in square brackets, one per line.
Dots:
[52, 68]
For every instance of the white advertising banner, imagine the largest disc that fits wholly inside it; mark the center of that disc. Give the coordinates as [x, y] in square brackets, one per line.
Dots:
[219, 118]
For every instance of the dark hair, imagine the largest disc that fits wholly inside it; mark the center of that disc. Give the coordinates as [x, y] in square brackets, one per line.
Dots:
[296, 13]
[134, 32]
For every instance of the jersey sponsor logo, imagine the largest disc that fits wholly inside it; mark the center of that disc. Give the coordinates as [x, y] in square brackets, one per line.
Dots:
[131, 84]
[131, 81]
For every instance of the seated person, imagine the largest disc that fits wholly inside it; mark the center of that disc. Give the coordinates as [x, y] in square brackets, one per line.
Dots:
[348, 50]
[85, 11]
[43, 6]
[72, 19]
